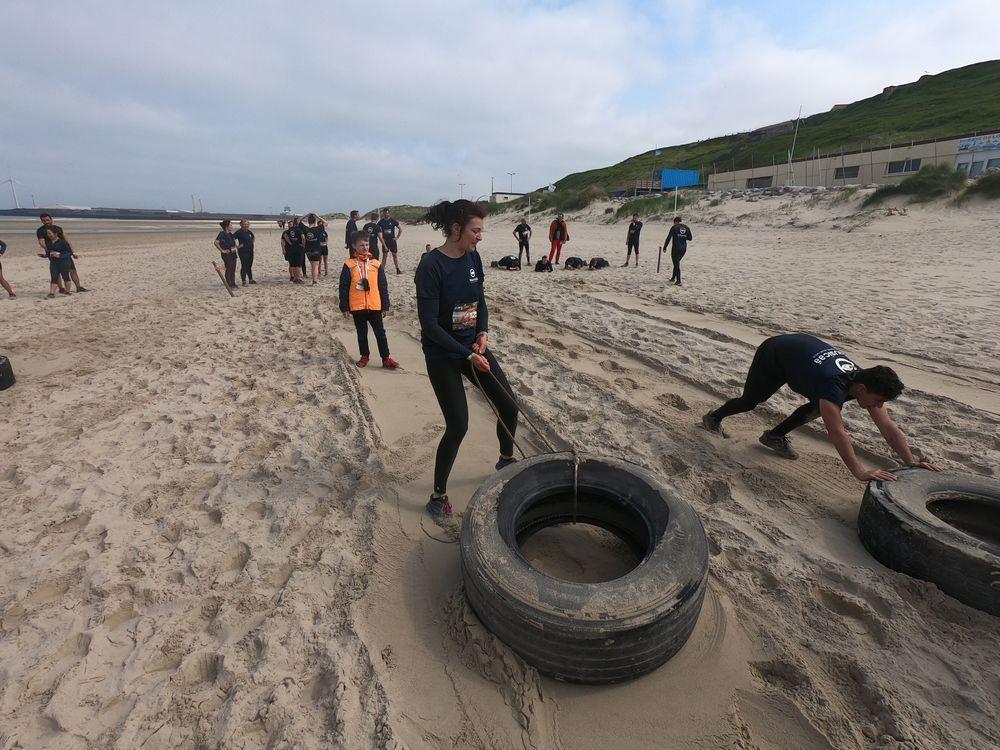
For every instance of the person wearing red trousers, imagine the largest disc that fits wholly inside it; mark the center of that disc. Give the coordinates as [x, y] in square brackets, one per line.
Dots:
[558, 235]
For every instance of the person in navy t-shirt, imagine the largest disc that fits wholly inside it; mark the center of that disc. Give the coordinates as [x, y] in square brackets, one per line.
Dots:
[391, 231]
[352, 227]
[454, 326]
[374, 234]
[523, 234]
[632, 240]
[244, 249]
[829, 379]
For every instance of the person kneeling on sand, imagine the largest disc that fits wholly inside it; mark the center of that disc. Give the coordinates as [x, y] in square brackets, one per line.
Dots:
[364, 295]
[828, 378]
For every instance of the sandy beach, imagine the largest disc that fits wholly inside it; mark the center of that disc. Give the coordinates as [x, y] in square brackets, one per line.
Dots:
[212, 530]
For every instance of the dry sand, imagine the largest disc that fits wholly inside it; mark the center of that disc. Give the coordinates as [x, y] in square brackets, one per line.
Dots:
[211, 532]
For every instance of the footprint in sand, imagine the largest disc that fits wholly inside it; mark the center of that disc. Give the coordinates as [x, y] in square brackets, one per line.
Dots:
[609, 365]
[860, 618]
[674, 401]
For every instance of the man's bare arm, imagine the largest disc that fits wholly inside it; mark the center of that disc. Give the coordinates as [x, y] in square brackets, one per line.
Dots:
[835, 428]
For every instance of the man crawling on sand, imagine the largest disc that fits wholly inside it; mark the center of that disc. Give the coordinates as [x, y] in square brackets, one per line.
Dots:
[828, 378]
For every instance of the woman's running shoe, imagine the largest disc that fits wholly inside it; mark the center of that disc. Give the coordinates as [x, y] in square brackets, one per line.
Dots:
[505, 462]
[390, 363]
[363, 361]
[439, 507]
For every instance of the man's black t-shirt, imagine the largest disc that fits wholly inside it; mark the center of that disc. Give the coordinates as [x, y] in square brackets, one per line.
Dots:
[294, 235]
[451, 304]
[388, 228]
[226, 240]
[312, 239]
[680, 234]
[372, 230]
[245, 238]
[352, 227]
[633, 231]
[522, 231]
[42, 234]
[812, 367]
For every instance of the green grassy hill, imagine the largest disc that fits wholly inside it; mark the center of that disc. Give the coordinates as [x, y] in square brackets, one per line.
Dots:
[963, 100]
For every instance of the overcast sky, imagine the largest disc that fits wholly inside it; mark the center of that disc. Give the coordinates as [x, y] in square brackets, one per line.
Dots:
[339, 105]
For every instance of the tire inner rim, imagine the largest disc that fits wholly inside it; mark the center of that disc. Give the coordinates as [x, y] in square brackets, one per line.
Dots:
[578, 552]
[975, 515]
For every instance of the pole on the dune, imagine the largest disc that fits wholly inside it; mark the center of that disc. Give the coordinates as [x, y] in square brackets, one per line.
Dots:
[659, 257]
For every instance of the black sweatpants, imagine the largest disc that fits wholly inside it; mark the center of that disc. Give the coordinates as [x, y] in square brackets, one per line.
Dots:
[675, 257]
[246, 264]
[362, 320]
[446, 380]
[630, 246]
[229, 261]
[764, 379]
[522, 248]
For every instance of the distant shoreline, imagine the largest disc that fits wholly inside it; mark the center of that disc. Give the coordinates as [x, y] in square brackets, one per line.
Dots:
[131, 213]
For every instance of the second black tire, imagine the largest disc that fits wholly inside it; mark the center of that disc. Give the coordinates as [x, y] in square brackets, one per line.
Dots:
[585, 632]
[942, 527]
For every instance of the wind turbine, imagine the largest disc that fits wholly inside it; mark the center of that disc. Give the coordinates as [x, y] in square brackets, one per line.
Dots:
[13, 191]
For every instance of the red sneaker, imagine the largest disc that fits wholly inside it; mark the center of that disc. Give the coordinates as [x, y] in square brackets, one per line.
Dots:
[363, 361]
[390, 363]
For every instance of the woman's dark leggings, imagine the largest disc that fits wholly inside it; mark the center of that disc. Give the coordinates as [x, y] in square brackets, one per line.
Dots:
[523, 249]
[446, 379]
[246, 264]
[361, 321]
[229, 261]
[764, 380]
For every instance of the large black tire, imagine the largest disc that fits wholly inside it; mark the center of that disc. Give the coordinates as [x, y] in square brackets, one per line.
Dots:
[6, 373]
[585, 632]
[961, 555]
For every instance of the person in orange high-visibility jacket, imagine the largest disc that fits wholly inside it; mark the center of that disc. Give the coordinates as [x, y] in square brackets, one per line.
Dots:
[558, 235]
[364, 295]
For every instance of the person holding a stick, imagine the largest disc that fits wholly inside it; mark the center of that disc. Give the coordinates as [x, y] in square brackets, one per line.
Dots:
[680, 235]
[454, 332]
[226, 244]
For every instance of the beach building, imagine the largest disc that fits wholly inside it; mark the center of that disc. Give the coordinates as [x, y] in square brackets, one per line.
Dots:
[505, 197]
[972, 153]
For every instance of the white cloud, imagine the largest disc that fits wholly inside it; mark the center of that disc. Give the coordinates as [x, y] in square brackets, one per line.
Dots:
[350, 105]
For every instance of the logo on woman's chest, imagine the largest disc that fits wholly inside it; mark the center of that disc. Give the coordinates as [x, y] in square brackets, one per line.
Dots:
[472, 276]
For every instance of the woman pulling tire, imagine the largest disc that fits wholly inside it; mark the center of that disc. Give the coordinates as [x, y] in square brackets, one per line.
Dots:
[454, 331]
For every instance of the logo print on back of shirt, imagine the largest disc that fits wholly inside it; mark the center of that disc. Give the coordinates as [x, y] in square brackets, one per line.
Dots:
[845, 365]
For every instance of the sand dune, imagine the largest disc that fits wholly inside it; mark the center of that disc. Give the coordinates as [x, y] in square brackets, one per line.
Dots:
[212, 537]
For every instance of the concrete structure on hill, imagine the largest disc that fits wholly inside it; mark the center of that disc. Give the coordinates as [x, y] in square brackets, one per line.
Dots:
[972, 153]
[505, 197]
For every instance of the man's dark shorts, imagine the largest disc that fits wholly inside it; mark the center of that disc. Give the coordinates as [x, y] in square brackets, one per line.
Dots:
[390, 245]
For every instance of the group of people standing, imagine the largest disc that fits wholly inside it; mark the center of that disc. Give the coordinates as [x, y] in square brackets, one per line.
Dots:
[678, 236]
[55, 247]
[383, 235]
